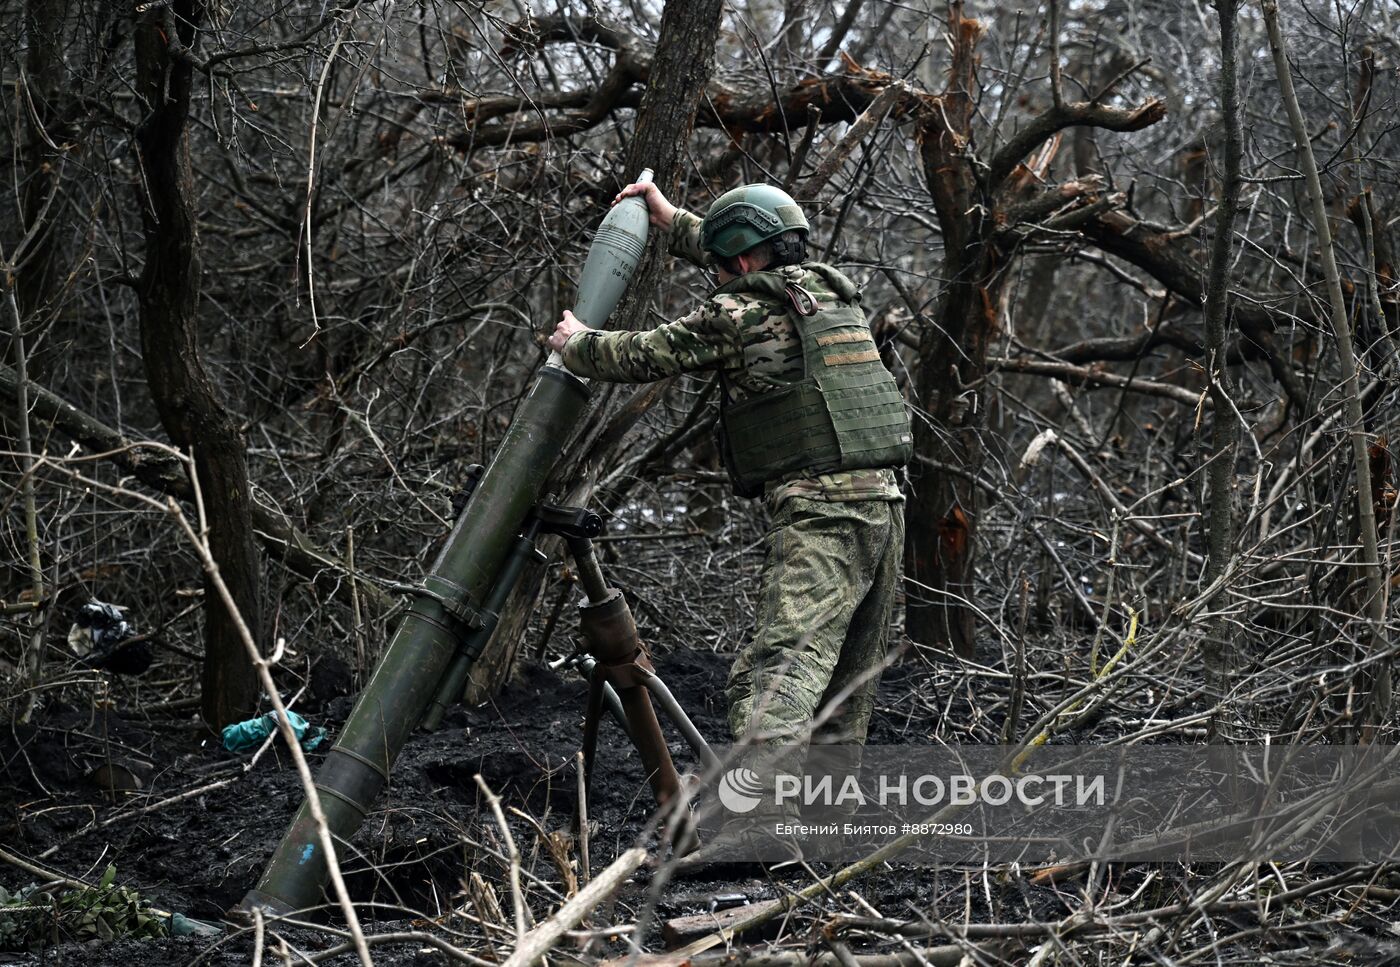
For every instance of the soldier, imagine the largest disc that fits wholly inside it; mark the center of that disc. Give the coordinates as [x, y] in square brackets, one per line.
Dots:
[810, 420]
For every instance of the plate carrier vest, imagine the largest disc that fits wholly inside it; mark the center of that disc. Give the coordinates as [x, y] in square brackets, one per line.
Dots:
[845, 413]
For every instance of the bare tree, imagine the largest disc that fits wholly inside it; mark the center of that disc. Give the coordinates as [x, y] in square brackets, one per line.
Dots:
[986, 207]
[191, 410]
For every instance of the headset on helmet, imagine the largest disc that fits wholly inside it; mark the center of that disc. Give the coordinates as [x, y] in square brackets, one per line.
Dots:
[750, 215]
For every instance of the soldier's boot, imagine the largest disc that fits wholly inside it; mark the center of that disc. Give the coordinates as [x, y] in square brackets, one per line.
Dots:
[744, 846]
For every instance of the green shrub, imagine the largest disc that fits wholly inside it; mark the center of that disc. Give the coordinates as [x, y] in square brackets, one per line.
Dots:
[33, 918]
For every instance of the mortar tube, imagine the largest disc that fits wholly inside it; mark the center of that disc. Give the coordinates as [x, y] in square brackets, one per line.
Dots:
[445, 609]
[455, 681]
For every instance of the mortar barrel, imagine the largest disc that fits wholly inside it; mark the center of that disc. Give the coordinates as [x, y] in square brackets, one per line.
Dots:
[448, 610]
[455, 681]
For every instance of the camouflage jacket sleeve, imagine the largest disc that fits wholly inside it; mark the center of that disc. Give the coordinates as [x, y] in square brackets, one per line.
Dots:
[685, 239]
[708, 338]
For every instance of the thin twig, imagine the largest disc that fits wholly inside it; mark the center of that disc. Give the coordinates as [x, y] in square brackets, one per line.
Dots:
[199, 540]
[1378, 683]
[517, 895]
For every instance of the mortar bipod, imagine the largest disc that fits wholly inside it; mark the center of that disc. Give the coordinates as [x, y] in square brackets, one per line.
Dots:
[583, 663]
[615, 660]
[664, 697]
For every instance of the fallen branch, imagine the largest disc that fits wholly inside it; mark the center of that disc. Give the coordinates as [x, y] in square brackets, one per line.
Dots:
[47, 875]
[947, 955]
[543, 938]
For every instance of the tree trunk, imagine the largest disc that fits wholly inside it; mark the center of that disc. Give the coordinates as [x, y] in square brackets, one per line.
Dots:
[940, 553]
[30, 272]
[941, 543]
[191, 411]
[986, 208]
[36, 281]
[1219, 646]
[685, 57]
[679, 72]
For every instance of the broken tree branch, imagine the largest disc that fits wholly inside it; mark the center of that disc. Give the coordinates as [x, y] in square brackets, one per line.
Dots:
[1089, 376]
[1078, 114]
[542, 939]
[869, 118]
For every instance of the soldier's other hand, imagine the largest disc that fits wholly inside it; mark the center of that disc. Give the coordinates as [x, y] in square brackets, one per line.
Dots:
[567, 327]
[662, 212]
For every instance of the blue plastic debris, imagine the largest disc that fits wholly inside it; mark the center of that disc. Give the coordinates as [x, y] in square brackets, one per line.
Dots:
[247, 736]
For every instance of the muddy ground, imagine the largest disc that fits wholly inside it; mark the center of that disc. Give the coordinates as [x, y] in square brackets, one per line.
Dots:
[200, 853]
[430, 858]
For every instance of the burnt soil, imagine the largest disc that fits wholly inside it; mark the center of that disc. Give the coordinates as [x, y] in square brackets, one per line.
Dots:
[196, 836]
[200, 853]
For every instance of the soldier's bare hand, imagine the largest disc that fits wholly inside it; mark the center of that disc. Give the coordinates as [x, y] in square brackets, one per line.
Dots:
[662, 212]
[567, 327]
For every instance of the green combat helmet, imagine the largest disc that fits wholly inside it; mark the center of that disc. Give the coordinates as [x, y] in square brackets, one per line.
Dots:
[746, 216]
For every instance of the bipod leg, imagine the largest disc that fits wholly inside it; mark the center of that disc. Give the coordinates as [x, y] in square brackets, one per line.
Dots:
[584, 664]
[611, 635]
[592, 715]
[667, 701]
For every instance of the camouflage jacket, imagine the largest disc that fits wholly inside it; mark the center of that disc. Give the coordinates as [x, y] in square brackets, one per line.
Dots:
[749, 339]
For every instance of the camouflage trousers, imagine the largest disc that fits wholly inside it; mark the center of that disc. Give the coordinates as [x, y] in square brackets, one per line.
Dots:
[830, 572]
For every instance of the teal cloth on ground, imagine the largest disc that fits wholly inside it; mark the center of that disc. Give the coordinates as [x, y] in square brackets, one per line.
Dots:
[247, 736]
